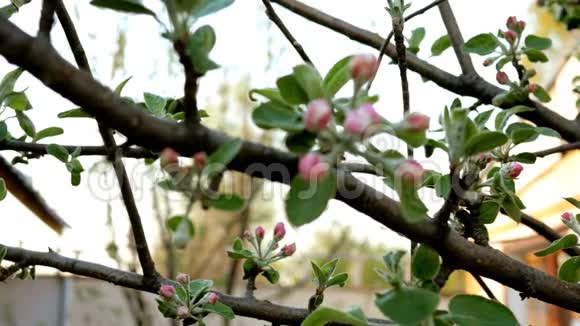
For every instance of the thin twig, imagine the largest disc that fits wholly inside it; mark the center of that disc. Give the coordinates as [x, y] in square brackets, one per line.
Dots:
[383, 49]
[456, 39]
[559, 149]
[191, 82]
[41, 149]
[484, 286]
[46, 19]
[114, 156]
[278, 22]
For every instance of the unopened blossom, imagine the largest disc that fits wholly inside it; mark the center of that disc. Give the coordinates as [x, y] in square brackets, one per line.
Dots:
[567, 217]
[510, 36]
[182, 278]
[512, 170]
[182, 312]
[259, 233]
[532, 88]
[410, 172]
[512, 22]
[279, 231]
[416, 122]
[312, 167]
[363, 67]
[200, 159]
[358, 121]
[167, 291]
[502, 77]
[213, 298]
[288, 250]
[168, 157]
[317, 116]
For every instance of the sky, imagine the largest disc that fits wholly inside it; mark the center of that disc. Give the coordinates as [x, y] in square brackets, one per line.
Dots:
[243, 42]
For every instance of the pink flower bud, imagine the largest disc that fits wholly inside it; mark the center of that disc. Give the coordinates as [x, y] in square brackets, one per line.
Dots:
[168, 158]
[410, 171]
[487, 62]
[200, 159]
[510, 36]
[167, 291]
[182, 312]
[247, 235]
[213, 298]
[288, 250]
[532, 88]
[416, 122]
[512, 22]
[363, 67]
[369, 110]
[260, 233]
[485, 157]
[279, 231]
[512, 170]
[502, 77]
[317, 116]
[182, 278]
[312, 167]
[567, 217]
[522, 25]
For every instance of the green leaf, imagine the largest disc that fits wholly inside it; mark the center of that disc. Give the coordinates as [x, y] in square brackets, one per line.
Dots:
[270, 115]
[48, 132]
[128, 6]
[174, 222]
[8, 82]
[542, 95]
[488, 212]
[519, 136]
[482, 44]
[432, 144]
[324, 315]
[527, 158]
[469, 310]
[502, 118]
[535, 55]
[271, 275]
[537, 42]
[3, 130]
[413, 139]
[337, 76]
[567, 241]
[412, 207]
[58, 151]
[484, 142]
[220, 309]
[573, 201]
[291, 91]
[75, 113]
[74, 166]
[167, 308]
[240, 254]
[119, 89]
[440, 45]
[306, 201]
[426, 263]
[3, 192]
[199, 47]
[26, 124]
[300, 142]
[549, 132]
[219, 159]
[443, 186]
[310, 81]
[502, 62]
[17, 101]
[482, 118]
[75, 179]
[329, 267]
[407, 306]
[338, 279]
[198, 287]
[570, 270]
[511, 208]
[272, 94]
[155, 104]
[392, 260]
[227, 202]
[417, 36]
[207, 7]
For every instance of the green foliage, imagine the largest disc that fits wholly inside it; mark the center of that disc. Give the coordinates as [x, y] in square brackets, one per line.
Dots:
[568, 241]
[570, 270]
[325, 315]
[126, 6]
[413, 209]
[414, 42]
[3, 191]
[337, 76]
[272, 115]
[219, 159]
[488, 212]
[440, 45]
[538, 42]
[227, 202]
[306, 201]
[573, 201]
[426, 263]
[482, 44]
[407, 306]
[467, 310]
[199, 47]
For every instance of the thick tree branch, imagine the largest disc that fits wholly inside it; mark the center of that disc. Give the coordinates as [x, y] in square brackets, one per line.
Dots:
[456, 38]
[262, 161]
[278, 22]
[114, 156]
[465, 85]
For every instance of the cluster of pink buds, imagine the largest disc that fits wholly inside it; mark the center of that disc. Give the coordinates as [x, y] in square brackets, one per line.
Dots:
[317, 116]
[200, 159]
[515, 28]
[312, 167]
[363, 68]
[512, 170]
[416, 122]
[410, 172]
[358, 121]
